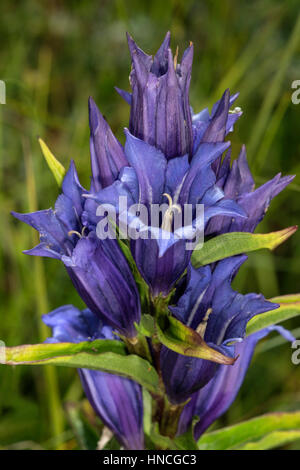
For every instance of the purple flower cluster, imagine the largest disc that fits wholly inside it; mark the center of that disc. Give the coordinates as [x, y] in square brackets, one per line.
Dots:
[168, 151]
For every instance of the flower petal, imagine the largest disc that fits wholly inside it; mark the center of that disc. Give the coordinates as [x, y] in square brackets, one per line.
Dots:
[217, 396]
[107, 154]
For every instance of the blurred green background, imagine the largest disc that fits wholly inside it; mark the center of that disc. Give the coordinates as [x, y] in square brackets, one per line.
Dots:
[54, 54]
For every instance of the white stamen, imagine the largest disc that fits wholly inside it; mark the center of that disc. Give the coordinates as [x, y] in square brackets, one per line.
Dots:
[74, 232]
[237, 109]
[169, 214]
[83, 230]
[201, 328]
[176, 57]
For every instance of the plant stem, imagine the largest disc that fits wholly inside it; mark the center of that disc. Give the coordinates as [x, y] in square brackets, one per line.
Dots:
[170, 418]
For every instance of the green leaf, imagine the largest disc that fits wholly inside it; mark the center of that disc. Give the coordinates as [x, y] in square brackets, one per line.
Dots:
[286, 311]
[106, 355]
[57, 169]
[235, 243]
[184, 340]
[286, 299]
[146, 326]
[29, 353]
[274, 439]
[147, 411]
[260, 431]
[141, 284]
[186, 441]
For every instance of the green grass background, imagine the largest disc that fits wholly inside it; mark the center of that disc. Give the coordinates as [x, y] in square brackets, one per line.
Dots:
[53, 55]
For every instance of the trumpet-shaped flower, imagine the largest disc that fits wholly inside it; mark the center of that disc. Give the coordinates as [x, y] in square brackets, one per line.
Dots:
[173, 161]
[98, 269]
[213, 400]
[117, 400]
[219, 315]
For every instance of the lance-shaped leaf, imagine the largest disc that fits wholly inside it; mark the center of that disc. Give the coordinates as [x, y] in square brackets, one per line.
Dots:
[184, 340]
[272, 440]
[262, 430]
[57, 169]
[235, 243]
[289, 308]
[28, 353]
[105, 355]
[286, 299]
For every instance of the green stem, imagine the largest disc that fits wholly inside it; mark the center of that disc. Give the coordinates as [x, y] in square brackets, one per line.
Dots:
[170, 418]
[139, 346]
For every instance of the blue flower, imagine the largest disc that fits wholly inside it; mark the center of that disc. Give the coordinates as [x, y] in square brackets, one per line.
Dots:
[117, 400]
[160, 113]
[180, 159]
[152, 180]
[213, 400]
[237, 183]
[97, 268]
[107, 154]
[219, 314]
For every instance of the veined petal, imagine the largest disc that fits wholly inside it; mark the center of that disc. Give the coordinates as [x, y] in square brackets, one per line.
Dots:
[125, 95]
[219, 314]
[52, 233]
[204, 157]
[256, 203]
[216, 397]
[184, 375]
[238, 184]
[107, 154]
[149, 165]
[160, 60]
[160, 112]
[214, 127]
[216, 130]
[56, 227]
[176, 171]
[225, 207]
[105, 283]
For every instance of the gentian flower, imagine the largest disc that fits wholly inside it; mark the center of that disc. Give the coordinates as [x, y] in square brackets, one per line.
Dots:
[98, 270]
[117, 400]
[160, 112]
[107, 154]
[216, 397]
[238, 184]
[151, 180]
[174, 158]
[219, 314]
[216, 126]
